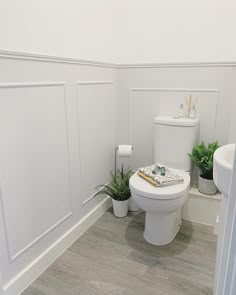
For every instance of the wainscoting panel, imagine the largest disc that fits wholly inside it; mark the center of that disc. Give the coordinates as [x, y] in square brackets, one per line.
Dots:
[96, 133]
[43, 195]
[34, 162]
[147, 103]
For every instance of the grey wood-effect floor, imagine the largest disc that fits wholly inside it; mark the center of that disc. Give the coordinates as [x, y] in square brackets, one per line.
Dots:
[112, 258]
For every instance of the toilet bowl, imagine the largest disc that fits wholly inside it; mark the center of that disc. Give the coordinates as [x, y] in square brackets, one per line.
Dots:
[162, 206]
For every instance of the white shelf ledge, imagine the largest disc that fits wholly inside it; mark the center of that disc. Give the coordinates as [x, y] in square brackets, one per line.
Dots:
[195, 192]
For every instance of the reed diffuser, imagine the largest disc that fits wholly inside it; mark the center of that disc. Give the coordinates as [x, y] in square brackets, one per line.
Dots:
[191, 106]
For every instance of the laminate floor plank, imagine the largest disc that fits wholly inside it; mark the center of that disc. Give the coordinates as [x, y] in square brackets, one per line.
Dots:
[112, 258]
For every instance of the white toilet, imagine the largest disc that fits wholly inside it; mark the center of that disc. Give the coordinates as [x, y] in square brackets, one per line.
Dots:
[174, 139]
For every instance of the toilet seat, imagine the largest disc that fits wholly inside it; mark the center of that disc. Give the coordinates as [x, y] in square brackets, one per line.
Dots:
[141, 187]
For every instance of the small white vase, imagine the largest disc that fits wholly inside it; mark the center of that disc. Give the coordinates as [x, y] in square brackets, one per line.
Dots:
[132, 205]
[206, 186]
[120, 208]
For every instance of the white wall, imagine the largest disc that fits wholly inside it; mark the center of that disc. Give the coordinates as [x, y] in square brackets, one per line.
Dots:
[57, 144]
[177, 31]
[147, 92]
[232, 129]
[121, 31]
[61, 112]
[82, 29]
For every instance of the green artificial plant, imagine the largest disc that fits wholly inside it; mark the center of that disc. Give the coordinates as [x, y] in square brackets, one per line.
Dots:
[118, 189]
[202, 156]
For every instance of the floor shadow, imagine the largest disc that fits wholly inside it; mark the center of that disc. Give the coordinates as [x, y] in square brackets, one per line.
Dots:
[135, 239]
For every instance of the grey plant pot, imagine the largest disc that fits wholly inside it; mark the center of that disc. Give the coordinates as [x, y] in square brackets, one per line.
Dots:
[206, 186]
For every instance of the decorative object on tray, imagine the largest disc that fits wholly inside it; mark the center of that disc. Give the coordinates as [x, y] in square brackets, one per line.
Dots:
[159, 175]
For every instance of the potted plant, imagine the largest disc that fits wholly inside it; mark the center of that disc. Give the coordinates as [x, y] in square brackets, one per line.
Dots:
[118, 190]
[202, 156]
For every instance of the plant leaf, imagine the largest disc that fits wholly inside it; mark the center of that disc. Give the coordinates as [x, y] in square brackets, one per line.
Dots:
[202, 156]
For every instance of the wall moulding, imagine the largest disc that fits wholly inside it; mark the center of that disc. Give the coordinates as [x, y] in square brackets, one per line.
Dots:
[15, 85]
[53, 59]
[185, 90]
[67, 60]
[31, 84]
[165, 101]
[81, 84]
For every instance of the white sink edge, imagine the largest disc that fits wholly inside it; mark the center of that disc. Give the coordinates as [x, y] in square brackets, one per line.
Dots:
[221, 160]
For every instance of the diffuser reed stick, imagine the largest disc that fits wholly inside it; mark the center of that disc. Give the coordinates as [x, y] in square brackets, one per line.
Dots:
[189, 104]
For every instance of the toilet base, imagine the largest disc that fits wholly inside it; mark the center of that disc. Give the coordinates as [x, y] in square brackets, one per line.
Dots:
[162, 229]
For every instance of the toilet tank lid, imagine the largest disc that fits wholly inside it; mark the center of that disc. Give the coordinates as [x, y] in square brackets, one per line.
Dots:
[176, 121]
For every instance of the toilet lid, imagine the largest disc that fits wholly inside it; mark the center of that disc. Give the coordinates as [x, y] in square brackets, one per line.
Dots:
[143, 188]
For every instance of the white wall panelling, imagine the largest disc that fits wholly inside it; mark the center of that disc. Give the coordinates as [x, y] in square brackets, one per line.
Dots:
[199, 63]
[36, 146]
[27, 275]
[96, 114]
[147, 103]
[232, 129]
[147, 83]
[43, 133]
[78, 118]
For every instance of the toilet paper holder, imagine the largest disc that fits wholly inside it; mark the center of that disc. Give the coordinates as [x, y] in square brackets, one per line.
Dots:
[116, 149]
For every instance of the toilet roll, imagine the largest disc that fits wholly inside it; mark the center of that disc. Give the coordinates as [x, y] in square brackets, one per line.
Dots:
[124, 151]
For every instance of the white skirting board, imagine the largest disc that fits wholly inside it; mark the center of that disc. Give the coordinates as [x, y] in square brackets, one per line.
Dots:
[36, 267]
[201, 208]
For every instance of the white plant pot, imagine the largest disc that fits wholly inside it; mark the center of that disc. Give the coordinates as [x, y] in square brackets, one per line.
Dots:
[120, 208]
[206, 186]
[132, 205]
